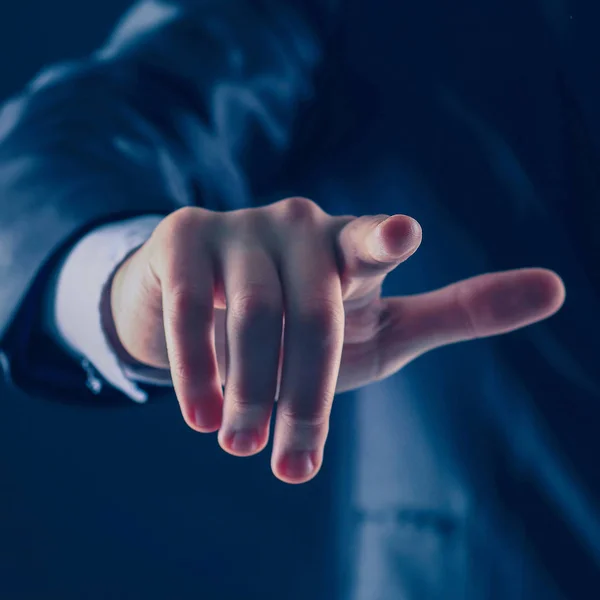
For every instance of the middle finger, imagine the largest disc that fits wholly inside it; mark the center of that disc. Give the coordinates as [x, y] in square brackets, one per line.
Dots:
[254, 322]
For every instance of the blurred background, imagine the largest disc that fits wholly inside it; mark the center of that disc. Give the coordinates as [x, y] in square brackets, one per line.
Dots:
[91, 501]
[36, 32]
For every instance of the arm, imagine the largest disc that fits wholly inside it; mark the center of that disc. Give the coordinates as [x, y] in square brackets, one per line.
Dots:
[174, 110]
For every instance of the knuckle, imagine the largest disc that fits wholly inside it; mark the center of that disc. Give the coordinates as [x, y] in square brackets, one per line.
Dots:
[468, 319]
[182, 222]
[238, 398]
[322, 316]
[308, 421]
[298, 210]
[184, 373]
[246, 407]
[195, 378]
[185, 299]
[258, 304]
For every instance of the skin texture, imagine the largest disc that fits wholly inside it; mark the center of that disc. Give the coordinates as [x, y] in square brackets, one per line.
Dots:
[284, 301]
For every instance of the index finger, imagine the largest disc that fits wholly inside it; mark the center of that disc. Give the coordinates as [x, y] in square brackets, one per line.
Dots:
[312, 349]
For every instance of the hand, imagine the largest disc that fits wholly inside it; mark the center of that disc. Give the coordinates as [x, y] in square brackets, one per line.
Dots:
[289, 268]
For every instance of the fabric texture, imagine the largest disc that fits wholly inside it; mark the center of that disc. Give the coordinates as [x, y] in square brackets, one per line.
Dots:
[73, 311]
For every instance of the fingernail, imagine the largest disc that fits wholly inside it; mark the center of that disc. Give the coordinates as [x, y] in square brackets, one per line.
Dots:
[298, 465]
[401, 237]
[244, 441]
[205, 421]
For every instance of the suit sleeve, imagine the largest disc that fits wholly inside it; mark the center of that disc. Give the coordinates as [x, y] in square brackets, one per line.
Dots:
[189, 102]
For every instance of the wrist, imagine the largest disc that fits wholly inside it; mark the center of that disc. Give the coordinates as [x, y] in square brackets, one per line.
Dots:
[111, 311]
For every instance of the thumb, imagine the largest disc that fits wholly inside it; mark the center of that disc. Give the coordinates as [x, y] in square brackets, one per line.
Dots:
[374, 245]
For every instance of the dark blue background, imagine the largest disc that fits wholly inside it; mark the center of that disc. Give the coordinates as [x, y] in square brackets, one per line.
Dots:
[35, 32]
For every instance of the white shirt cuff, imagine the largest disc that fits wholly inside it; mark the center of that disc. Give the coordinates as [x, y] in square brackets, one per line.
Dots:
[73, 305]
